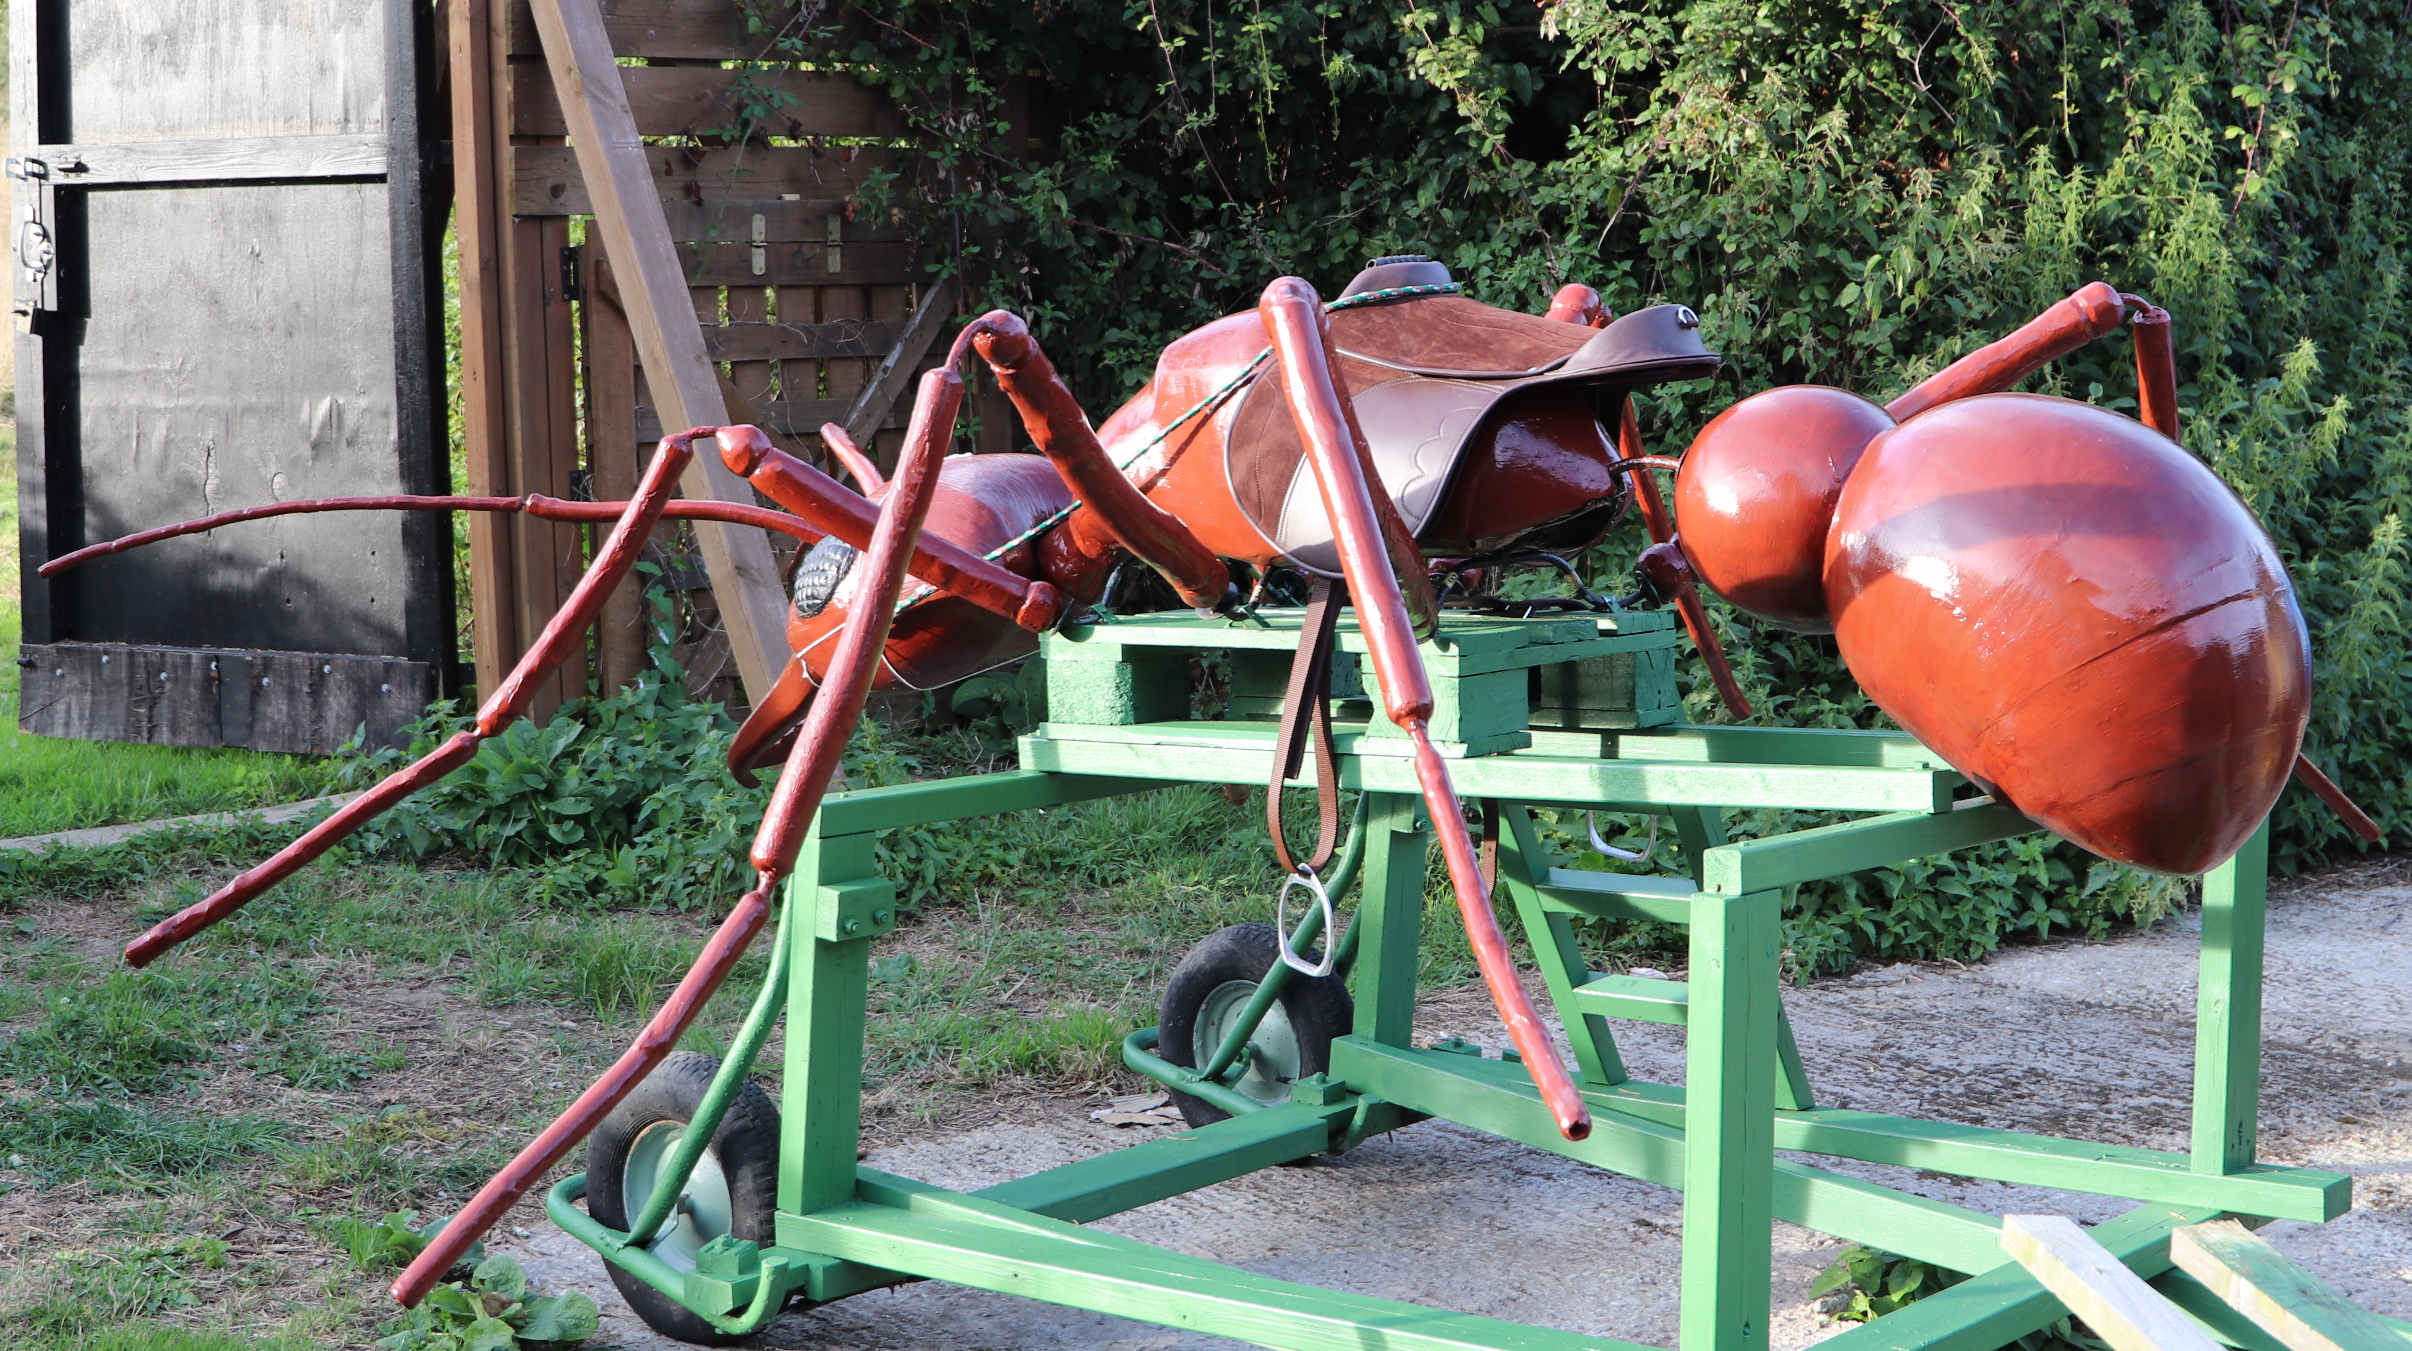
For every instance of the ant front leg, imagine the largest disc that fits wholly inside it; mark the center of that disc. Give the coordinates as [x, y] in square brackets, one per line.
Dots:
[510, 699]
[1112, 511]
[846, 515]
[1293, 317]
[802, 783]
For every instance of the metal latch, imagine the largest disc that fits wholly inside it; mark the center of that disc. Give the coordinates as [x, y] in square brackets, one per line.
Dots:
[37, 252]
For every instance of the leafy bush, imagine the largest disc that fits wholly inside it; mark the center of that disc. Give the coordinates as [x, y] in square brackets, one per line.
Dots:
[1850, 194]
[624, 798]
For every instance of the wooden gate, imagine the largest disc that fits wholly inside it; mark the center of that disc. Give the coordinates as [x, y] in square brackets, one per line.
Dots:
[220, 254]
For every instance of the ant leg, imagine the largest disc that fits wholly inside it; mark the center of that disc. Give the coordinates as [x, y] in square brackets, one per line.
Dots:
[802, 784]
[844, 514]
[2091, 311]
[1117, 513]
[535, 504]
[1293, 316]
[1665, 566]
[566, 629]
[845, 452]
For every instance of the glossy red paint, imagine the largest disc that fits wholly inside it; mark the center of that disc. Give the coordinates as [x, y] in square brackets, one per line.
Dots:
[1757, 491]
[2079, 615]
[980, 503]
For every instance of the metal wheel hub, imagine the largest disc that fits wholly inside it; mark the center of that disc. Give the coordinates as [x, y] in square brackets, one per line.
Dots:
[703, 1210]
[1272, 1061]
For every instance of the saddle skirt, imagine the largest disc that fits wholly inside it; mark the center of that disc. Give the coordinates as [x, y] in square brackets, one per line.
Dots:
[1424, 372]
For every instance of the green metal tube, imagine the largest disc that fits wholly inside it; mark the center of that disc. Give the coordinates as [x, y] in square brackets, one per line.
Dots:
[1310, 927]
[750, 1036]
[770, 1289]
[1138, 1052]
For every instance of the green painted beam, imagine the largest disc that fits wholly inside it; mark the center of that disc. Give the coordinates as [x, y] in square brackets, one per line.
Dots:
[1831, 851]
[1126, 1179]
[1746, 746]
[921, 804]
[2227, 1018]
[2032, 1160]
[1637, 997]
[1496, 1096]
[1106, 1184]
[1999, 1306]
[1222, 752]
[952, 1237]
[1574, 891]
[1729, 1158]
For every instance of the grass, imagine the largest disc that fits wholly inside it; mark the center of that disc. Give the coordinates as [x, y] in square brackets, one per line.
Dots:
[49, 784]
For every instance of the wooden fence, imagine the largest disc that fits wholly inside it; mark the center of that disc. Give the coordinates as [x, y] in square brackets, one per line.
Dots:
[811, 310]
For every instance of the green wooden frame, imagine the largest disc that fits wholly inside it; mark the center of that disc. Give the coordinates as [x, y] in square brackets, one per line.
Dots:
[844, 1228]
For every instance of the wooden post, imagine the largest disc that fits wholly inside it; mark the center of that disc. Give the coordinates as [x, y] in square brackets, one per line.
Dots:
[611, 458]
[476, 197]
[653, 286]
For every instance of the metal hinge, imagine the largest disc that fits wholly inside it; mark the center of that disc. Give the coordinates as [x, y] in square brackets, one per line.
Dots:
[573, 284]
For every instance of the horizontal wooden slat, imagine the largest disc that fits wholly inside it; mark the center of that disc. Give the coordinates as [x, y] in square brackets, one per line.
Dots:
[701, 100]
[545, 179]
[214, 160]
[177, 696]
[803, 264]
[780, 417]
[771, 342]
[689, 29]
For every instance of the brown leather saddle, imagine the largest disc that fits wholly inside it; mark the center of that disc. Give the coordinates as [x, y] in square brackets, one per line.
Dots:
[1424, 373]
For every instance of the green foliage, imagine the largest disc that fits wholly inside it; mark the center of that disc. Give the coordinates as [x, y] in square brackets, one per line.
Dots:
[619, 799]
[1852, 195]
[493, 1311]
[1873, 1283]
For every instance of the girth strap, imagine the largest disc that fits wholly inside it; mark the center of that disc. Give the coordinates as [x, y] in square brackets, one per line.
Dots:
[1309, 703]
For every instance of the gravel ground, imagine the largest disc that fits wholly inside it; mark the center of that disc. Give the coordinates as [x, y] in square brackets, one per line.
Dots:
[2092, 1041]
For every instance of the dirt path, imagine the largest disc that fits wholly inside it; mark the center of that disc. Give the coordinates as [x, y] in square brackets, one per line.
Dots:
[2092, 1041]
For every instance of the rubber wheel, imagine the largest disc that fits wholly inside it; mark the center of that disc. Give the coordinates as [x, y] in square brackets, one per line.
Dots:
[1209, 992]
[734, 1189]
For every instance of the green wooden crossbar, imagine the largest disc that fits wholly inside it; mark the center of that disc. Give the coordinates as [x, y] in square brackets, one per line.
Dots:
[1218, 752]
[950, 1236]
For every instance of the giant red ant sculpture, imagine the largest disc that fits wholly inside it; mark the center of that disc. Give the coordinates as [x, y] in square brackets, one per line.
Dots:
[2058, 599]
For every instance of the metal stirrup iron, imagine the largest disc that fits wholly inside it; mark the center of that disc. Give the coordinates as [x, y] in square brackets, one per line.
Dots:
[1307, 706]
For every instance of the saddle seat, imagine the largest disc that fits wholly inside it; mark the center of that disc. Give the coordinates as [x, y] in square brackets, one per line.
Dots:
[1424, 373]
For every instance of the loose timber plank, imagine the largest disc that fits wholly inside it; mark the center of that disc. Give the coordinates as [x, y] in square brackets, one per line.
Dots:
[547, 180]
[637, 239]
[2281, 1298]
[2097, 1287]
[682, 100]
[895, 371]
